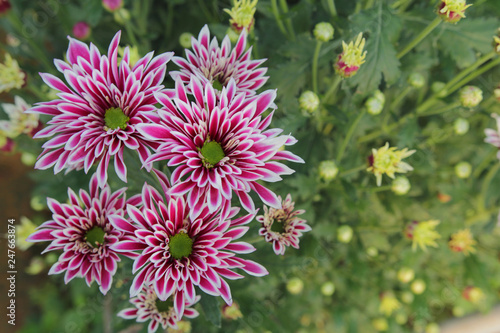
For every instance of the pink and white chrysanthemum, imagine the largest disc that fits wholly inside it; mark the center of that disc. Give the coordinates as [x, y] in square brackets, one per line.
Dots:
[147, 306]
[178, 253]
[216, 65]
[97, 112]
[82, 230]
[219, 145]
[493, 136]
[281, 226]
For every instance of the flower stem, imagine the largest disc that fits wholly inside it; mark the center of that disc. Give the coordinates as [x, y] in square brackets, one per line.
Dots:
[442, 110]
[277, 17]
[353, 170]
[486, 183]
[469, 69]
[288, 21]
[332, 8]
[332, 89]
[400, 97]
[473, 75]
[420, 37]
[348, 136]
[379, 188]
[315, 67]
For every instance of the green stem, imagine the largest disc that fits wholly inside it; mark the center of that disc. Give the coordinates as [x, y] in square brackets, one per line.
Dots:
[441, 110]
[288, 21]
[255, 49]
[400, 97]
[315, 67]
[469, 70]
[473, 75]
[484, 163]
[204, 9]
[420, 37]
[353, 170]
[332, 89]
[277, 17]
[379, 188]
[130, 34]
[332, 8]
[348, 136]
[486, 183]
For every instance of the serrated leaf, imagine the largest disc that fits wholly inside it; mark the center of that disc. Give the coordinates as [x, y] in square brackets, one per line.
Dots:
[211, 309]
[381, 59]
[461, 41]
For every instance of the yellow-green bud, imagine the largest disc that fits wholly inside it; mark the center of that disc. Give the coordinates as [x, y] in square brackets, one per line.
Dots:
[458, 311]
[37, 203]
[185, 40]
[372, 251]
[461, 126]
[400, 185]
[432, 328]
[470, 96]
[416, 80]
[375, 104]
[323, 31]
[418, 287]
[401, 318]
[28, 159]
[463, 170]
[406, 274]
[121, 16]
[309, 101]
[328, 288]
[407, 297]
[328, 170]
[295, 286]
[380, 324]
[344, 234]
[438, 88]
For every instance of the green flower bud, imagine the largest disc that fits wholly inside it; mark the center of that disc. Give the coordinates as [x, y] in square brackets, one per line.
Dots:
[407, 297]
[295, 286]
[418, 287]
[344, 234]
[470, 96]
[432, 328]
[463, 170]
[328, 288]
[416, 80]
[400, 185]
[461, 126]
[372, 251]
[401, 318]
[309, 101]
[438, 88]
[328, 170]
[323, 31]
[406, 274]
[28, 159]
[380, 324]
[185, 40]
[375, 104]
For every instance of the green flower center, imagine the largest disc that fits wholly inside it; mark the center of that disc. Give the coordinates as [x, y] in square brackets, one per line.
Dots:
[278, 226]
[180, 245]
[217, 85]
[95, 236]
[163, 306]
[115, 118]
[212, 153]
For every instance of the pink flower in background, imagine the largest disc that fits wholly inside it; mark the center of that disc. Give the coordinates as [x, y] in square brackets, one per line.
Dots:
[149, 307]
[4, 6]
[219, 145]
[82, 230]
[282, 227]
[82, 30]
[112, 5]
[216, 65]
[493, 136]
[178, 253]
[97, 112]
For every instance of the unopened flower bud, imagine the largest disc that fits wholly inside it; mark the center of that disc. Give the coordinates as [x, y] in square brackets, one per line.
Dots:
[295, 286]
[406, 274]
[496, 41]
[461, 126]
[496, 93]
[470, 96]
[372, 251]
[121, 16]
[463, 170]
[309, 101]
[242, 14]
[458, 311]
[418, 287]
[375, 104]
[407, 297]
[344, 234]
[323, 31]
[416, 80]
[380, 324]
[328, 170]
[432, 328]
[185, 40]
[231, 312]
[351, 58]
[81, 30]
[328, 288]
[452, 11]
[401, 318]
[438, 88]
[112, 5]
[462, 241]
[37, 203]
[400, 185]
[473, 294]
[443, 197]
[28, 159]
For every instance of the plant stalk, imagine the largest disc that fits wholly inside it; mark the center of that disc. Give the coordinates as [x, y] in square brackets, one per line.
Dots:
[420, 37]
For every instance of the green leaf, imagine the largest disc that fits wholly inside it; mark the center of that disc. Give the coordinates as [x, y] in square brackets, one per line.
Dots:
[211, 309]
[382, 28]
[461, 41]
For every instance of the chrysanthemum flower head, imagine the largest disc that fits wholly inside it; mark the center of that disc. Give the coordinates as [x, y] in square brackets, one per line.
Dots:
[82, 229]
[216, 66]
[177, 253]
[470, 96]
[462, 241]
[219, 146]
[493, 135]
[97, 112]
[452, 11]
[423, 234]
[11, 76]
[388, 161]
[388, 303]
[19, 121]
[351, 58]
[147, 306]
[242, 14]
[282, 227]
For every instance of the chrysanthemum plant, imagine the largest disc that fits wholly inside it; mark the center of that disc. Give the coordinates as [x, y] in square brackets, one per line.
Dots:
[300, 166]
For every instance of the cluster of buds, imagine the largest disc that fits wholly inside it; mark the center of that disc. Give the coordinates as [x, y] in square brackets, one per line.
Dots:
[422, 234]
[351, 58]
[470, 96]
[452, 11]
[344, 234]
[242, 14]
[375, 104]
[462, 241]
[323, 31]
[308, 101]
[388, 161]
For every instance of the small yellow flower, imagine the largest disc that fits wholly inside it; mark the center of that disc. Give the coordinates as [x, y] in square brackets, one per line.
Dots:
[452, 11]
[462, 241]
[242, 14]
[389, 161]
[388, 304]
[231, 312]
[11, 76]
[380, 324]
[182, 327]
[23, 231]
[351, 58]
[423, 234]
